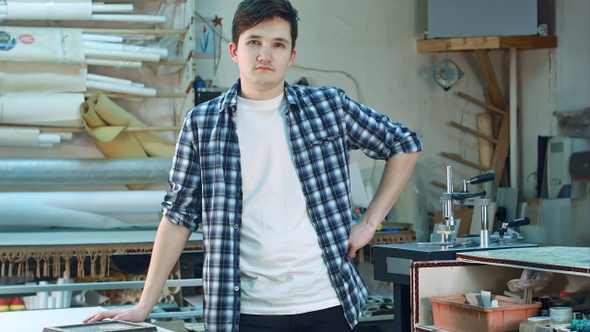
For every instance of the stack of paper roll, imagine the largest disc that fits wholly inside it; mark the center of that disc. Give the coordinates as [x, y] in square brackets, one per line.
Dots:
[41, 56]
[72, 10]
[49, 300]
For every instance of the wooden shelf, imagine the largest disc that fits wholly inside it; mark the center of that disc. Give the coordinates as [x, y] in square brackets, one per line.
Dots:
[480, 43]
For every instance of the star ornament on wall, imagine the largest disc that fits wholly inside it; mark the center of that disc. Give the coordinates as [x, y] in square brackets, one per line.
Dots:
[217, 20]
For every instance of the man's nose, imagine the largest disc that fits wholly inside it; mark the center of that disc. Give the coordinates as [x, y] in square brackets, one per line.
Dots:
[264, 55]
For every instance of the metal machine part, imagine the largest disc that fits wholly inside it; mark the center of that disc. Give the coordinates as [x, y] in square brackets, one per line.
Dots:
[450, 198]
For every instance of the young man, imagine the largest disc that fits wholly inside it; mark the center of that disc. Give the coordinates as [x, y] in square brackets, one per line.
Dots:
[263, 170]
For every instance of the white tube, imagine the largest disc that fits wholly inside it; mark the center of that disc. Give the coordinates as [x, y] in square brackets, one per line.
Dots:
[49, 139]
[132, 18]
[124, 47]
[109, 79]
[102, 38]
[67, 300]
[120, 55]
[119, 8]
[113, 63]
[27, 138]
[49, 10]
[132, 90]
[513, 100]
[42, 297]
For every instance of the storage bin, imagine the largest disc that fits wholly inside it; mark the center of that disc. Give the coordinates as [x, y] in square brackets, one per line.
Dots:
[453, 313]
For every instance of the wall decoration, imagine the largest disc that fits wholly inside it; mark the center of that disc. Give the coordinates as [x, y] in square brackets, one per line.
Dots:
[207, 37]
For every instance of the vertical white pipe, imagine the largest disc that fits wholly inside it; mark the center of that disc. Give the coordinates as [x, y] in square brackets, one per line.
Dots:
[514, 148]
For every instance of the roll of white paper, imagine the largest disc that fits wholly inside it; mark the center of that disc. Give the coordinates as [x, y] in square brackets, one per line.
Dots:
[114, 8]
[132, 90]
[109, 79]
[42, 297]
[130, 18]
[162, 52]
[113, 63]
[42, 109]
[120, 55]
[49, 10]
[43, 45]
[26, 138]
[41, 77]
[102, 38]
[49, 139]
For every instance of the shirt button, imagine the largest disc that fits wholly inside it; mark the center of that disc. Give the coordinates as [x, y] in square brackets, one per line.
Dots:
[238, 195]
[326, 143]
[237, 288]
[236, 226]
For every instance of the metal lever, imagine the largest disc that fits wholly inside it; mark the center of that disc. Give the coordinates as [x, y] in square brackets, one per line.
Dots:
[514, 223]
[461, 196]
[482, 178]
[518, 222]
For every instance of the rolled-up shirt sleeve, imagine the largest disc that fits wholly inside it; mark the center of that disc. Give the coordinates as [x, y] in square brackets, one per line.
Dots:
[182, 204]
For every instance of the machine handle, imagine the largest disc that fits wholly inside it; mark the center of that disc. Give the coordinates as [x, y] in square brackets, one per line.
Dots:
[519, 222]
[462, 195]
[486, 177]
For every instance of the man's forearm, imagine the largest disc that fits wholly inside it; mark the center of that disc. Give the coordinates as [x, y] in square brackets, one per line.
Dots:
[396, 174]
[169, 244]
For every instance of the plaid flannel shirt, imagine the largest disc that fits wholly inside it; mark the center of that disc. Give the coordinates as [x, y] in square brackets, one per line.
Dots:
[205, 186]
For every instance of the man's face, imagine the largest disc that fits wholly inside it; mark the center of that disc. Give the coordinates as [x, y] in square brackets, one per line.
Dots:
[263, 55]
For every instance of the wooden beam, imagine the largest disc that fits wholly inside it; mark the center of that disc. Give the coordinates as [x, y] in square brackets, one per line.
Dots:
[474, 132]
[485, 43]
[483, 104]
[463, 161]
[501, 150]
[490, 77]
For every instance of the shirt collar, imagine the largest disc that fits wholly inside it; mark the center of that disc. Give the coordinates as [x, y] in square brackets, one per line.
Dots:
[230, 100]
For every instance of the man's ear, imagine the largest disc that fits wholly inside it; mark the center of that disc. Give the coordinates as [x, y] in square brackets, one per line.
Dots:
[233, 51]
[293, 54]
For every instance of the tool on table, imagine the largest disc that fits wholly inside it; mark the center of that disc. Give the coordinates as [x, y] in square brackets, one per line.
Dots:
[503, 228]
[450, 198]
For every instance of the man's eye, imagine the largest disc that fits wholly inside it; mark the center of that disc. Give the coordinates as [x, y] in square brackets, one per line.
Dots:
[279, 45]
[253, 42]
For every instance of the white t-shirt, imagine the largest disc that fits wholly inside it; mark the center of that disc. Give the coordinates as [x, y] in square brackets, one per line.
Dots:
[281, 264]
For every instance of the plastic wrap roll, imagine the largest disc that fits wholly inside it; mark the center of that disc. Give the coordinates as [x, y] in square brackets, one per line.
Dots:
[100, 171]
[81, 209]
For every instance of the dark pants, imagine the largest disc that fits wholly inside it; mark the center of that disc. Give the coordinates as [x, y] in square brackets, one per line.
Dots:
[331, 319]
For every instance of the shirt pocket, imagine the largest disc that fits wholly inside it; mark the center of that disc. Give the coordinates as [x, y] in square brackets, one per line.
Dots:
[324, 141]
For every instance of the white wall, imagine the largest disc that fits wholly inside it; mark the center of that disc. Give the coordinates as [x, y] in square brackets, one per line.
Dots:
[373, 44]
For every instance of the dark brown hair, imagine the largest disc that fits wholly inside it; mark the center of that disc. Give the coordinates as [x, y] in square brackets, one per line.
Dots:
[252, 12]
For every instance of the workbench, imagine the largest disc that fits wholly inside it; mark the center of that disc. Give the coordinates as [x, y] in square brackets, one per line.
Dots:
[36, 320]
[393, 263]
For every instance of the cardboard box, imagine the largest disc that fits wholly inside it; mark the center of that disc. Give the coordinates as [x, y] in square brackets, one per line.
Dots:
[453, 313]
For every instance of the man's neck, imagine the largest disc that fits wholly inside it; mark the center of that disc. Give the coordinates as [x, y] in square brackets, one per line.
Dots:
[256, 94]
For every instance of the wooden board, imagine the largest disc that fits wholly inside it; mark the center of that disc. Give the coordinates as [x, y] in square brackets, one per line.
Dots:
[483, 43]
[486, 148]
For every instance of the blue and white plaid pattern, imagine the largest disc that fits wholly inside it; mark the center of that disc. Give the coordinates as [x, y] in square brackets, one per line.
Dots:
[205, 181]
